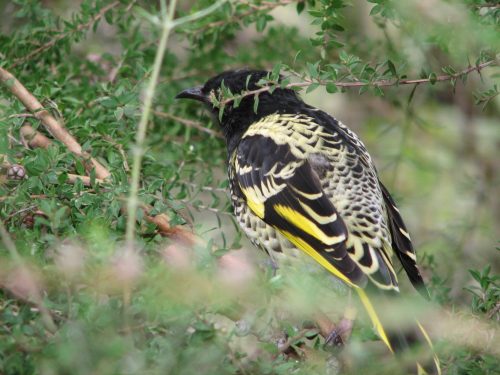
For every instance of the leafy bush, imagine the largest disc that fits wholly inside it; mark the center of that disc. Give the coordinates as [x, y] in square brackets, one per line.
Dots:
[173, 287]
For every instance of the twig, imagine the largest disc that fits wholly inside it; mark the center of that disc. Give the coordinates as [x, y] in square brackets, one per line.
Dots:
[292, 340]
[203, 207]
[494, 311]
[119, 147]
[29, 208]
[487, 6]
[52, 125]
[238, 17]
[132, 201]
[189, 123]
[72, 178]
[197, 15]
[33, 138]
[61, 36]
[32, 196]
[380, 83]
[205, 188]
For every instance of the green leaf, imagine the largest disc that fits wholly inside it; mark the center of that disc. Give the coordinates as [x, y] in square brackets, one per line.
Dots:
[300, 6]
[432, 78]
[392, 68]
[378, 91]
[315, 13]
[344, 57]
[260, 25]
[118, 113]
[376, 9]
[312, 87]
[255, 103]
[275, 73]
[331, 88]
[313, 69]
[221, 111]
[80, 169]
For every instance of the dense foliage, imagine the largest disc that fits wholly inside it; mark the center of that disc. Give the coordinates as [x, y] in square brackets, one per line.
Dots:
[417, 80]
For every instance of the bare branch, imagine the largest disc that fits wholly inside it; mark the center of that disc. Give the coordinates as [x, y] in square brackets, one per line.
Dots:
[33, 138]
[189, 123]
[72, 178]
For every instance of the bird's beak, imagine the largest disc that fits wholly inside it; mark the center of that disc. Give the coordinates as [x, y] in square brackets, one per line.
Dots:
[193, 93]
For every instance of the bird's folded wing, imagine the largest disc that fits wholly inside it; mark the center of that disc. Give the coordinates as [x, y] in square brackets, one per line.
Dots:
[285, 192]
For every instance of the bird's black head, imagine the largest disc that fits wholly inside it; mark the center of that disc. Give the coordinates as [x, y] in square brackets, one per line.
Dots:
[236, 118]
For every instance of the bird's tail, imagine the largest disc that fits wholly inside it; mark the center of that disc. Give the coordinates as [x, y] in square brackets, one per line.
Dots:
[399, 340]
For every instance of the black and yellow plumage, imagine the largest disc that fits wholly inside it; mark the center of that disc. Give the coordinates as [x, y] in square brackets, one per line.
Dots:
[302, 180]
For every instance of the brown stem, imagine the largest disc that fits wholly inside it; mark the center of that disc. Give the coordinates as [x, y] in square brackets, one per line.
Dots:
[380, 83]
[325, 325]
[33, 138]
[189, 123]
[72, 178]
[162, 221]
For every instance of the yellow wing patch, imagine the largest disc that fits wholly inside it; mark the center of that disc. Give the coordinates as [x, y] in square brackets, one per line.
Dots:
[309, 250]
[253, 201]
[302, 222]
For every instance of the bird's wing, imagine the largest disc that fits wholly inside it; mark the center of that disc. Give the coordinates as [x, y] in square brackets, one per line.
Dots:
[285, 192]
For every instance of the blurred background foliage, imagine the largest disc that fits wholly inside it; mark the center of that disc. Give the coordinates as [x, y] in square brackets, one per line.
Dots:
[72, 300]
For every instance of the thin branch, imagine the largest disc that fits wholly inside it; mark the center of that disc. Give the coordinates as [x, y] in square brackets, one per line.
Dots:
[32, 138]
[380, 83]
[238, 17]
[293, 340]
[132, 201]
[61, 36]
[189, 123]
[119, 147]
[487, 6]
[18, 212]
[200, 14]
[72, 178]
[211, 189]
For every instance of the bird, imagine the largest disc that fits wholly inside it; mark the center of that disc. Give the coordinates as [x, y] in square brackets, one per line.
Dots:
[301, 180]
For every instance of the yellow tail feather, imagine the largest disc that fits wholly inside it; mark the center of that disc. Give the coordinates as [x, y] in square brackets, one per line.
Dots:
[374, 317]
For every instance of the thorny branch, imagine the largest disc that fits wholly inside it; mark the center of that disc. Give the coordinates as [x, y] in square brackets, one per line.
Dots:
[380, 83]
